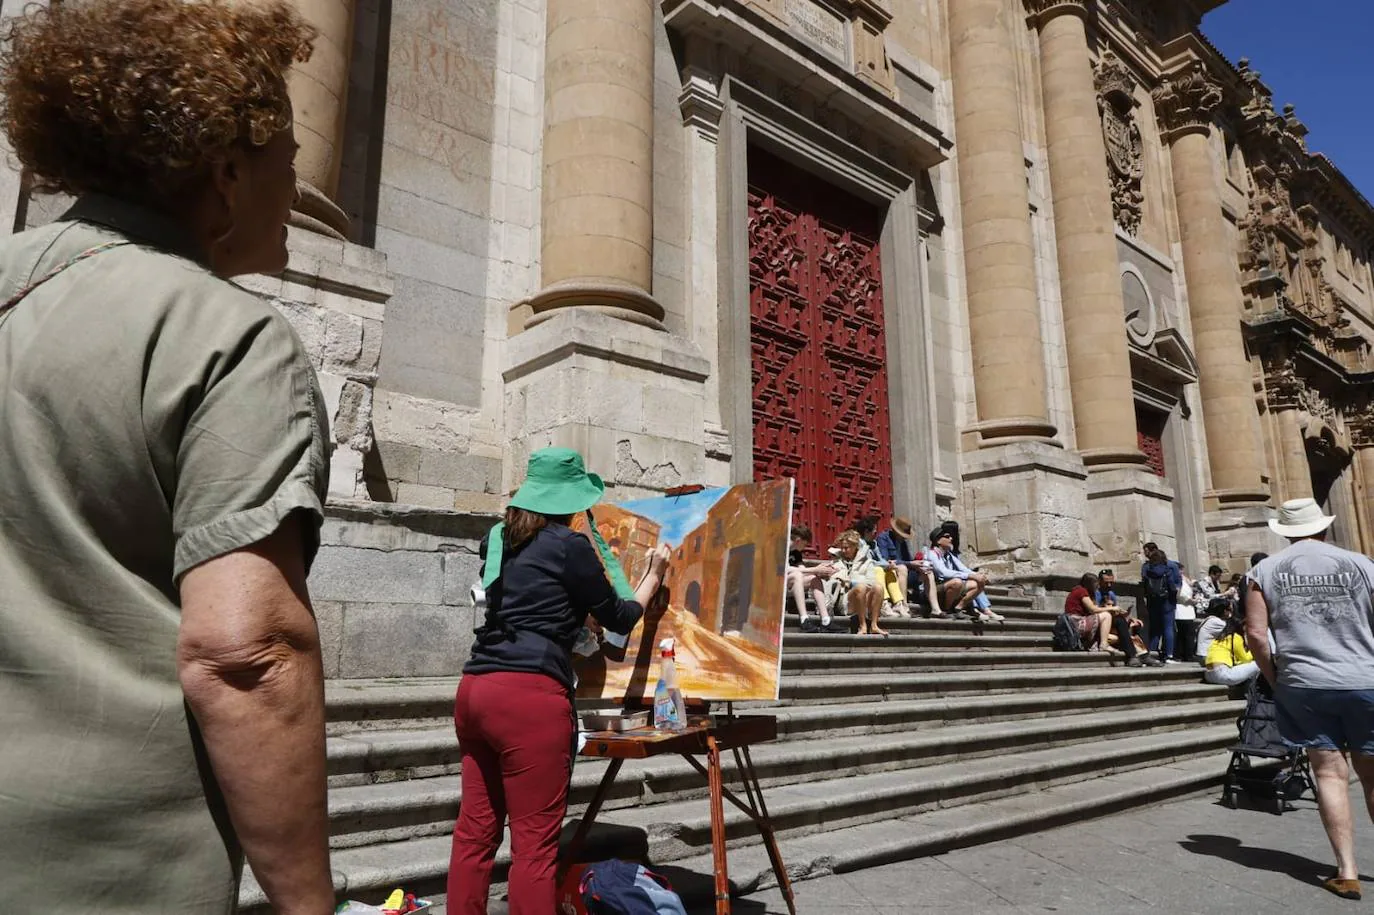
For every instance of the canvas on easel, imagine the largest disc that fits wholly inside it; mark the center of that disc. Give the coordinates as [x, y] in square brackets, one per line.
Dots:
[723, 594]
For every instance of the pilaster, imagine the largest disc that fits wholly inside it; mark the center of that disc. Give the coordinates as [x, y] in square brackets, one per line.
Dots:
[334, 294]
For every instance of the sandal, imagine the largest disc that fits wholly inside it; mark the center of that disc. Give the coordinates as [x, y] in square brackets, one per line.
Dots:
[882, 632]
[1346, 889]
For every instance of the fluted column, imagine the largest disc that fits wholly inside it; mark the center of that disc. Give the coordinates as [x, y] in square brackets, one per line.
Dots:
[319, 92]
[1184, 102]
[999, 263]
[597, 217]
[1089, 275]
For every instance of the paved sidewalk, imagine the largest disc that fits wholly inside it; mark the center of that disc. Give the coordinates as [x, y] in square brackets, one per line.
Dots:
[1191, 855]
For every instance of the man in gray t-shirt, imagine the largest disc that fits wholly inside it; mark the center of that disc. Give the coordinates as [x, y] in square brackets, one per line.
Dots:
[1316, 600]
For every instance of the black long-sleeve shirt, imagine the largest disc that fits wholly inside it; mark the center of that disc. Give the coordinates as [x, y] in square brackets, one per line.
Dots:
[536, 607]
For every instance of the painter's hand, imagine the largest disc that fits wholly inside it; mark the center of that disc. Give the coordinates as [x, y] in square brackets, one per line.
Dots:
[658, 561]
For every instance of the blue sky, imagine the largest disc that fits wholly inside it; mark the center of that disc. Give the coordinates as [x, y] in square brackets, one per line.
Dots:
[678, 515]
[1314, 54]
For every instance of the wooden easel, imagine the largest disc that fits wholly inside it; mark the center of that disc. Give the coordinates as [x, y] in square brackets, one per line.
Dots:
[705, 735]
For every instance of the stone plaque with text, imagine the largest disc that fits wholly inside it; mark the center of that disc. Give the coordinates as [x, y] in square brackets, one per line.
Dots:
[818, 27]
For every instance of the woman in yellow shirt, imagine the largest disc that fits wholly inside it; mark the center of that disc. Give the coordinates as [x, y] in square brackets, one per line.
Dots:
[1229, 662]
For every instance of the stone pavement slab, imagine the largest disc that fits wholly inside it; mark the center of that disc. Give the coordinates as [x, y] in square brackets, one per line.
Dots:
[1189, 855]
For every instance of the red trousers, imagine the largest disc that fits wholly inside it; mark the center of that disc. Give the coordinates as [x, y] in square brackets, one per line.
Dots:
[515, 732]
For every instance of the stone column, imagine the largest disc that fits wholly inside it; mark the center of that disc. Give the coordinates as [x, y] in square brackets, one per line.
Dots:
[1089, 275]
[319, 90]
[1361, 424]
[1004, 315]
[597, 216]
[1297, 474]
[1184, 102]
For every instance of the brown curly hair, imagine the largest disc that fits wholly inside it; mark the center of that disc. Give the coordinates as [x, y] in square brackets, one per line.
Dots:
[136, 98]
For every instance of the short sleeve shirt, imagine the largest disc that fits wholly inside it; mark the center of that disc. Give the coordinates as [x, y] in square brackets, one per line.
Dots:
[152, 417]
[1073, 604]
[1320, 614]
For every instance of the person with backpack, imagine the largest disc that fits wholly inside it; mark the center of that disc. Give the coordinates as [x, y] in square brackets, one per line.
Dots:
[1161, 579]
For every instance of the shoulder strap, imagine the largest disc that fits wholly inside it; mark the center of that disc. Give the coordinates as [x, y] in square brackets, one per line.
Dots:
[74, 259]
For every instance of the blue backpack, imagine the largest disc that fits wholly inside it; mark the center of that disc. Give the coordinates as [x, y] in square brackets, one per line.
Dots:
[615, 887]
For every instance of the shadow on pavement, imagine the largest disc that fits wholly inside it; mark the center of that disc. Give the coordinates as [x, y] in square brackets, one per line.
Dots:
[1300, 868]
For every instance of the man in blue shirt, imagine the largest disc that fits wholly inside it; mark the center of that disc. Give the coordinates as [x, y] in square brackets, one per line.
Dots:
[1105, 596]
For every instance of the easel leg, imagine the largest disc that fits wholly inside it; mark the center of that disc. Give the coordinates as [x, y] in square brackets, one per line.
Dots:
[718, 827]
[765, 825]
[584, 826]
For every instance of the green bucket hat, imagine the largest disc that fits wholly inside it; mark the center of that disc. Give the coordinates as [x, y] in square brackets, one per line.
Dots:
[557, 483]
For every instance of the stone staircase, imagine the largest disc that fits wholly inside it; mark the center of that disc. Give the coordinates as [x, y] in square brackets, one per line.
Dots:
[946, 734]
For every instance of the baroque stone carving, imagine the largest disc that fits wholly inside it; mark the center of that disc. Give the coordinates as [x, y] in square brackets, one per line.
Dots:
[1283, 388]
[1185, 99]
[1314, 402]
[1125, 152]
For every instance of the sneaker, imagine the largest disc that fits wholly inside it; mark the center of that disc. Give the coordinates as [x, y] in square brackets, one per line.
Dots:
[1172, 661]
[833, 625]
[1150, 660]
[888, 611]
[993, 616]
[1134, 662]
[810, 625]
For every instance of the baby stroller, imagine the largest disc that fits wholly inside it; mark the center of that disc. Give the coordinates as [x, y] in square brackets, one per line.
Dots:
[1282, 773]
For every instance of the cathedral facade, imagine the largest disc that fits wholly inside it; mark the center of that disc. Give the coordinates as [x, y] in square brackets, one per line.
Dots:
[1055, 268]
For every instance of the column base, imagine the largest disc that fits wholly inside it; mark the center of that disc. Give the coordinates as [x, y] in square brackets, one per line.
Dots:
[1010, 430]
[1235, 533]
[608, 297]
[334, 294]
[1127, 508]
[1025, 505]
[1114, 459]
[316, 213]
[629, 398]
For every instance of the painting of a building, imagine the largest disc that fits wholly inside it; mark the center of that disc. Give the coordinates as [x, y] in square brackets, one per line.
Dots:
[724, 590]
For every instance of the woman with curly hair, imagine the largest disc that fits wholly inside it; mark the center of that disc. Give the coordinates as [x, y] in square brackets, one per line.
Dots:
[164, 467]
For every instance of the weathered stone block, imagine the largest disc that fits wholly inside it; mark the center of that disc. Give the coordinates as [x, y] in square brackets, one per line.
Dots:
[428, 496]
[400, 462]
[463, 472]
[461, 569]
[404, 640]
[351, 574]
[329, 621]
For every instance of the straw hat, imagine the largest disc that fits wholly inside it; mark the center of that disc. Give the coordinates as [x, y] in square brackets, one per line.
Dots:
[902, 526]
[1300, 518]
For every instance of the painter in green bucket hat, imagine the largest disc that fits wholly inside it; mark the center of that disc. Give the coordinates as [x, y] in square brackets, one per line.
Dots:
[557, 483]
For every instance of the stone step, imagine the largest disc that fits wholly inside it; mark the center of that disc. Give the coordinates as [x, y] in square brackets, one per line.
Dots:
[817, 663]
[907, 640]
[901, 815]
[1079, 670]
[391, 811]
[368, 757]
[943, 829]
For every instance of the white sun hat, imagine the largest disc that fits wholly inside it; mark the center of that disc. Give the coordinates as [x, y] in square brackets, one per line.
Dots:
[1300, 518]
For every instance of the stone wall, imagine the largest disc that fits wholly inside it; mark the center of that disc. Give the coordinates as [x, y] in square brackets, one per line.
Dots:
[391, 589]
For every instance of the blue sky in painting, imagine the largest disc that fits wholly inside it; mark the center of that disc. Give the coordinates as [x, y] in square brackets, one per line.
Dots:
[678, 515]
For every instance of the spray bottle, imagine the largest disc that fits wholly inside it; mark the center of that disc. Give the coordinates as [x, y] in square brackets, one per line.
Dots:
[670, 712]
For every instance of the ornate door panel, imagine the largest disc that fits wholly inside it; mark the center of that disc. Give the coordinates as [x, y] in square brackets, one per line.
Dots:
[819, 352]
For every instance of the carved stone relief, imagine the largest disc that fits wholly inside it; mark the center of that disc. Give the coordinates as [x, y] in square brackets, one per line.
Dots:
[1185, 99]
[1125, 152]
[1283, 388]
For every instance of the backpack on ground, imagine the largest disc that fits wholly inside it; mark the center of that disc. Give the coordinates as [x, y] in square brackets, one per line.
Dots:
[1065, 636]
[615, 887]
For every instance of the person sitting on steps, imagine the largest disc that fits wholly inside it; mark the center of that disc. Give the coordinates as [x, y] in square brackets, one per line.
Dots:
[1096, 624]
[958, 587]
[887, 574]
[954, 558]
[853, 582]
[894, 546]
[801, 578]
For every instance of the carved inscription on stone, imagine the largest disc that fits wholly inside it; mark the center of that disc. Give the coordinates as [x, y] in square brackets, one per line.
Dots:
[1125, 152]
[818, 27]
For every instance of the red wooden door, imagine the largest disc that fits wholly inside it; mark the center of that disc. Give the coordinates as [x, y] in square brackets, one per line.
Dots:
[819, 371]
